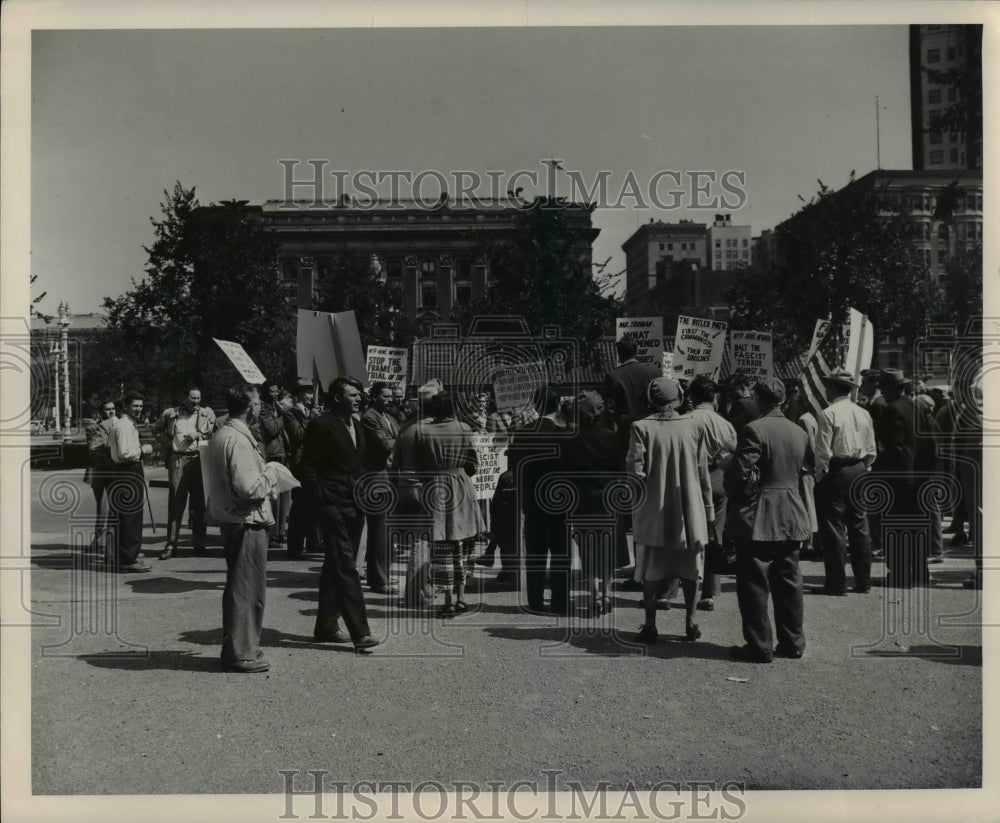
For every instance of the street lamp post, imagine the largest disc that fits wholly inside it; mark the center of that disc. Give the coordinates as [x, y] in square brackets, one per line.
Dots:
[57, 406]
[64, 322]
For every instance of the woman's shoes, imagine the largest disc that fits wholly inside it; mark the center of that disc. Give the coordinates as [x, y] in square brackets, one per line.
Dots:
[692, 632]
[461, 607]
[447, 612]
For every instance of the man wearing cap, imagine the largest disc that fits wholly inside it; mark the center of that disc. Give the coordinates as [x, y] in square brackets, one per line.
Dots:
[768, 520]
[906, 453]
[845, 451]
[671, 523]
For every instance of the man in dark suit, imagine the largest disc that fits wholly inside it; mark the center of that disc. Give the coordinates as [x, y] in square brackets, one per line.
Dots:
[381, 431]
[905, 454]
[333, 453]
[768, 521]
[625, 389]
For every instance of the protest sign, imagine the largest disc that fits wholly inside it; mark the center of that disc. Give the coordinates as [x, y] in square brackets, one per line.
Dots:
[698, 347]
[819, 332]
[515, 386]
[386, 364]
[750, 352]
[647, 332]
[244, 365]
[668, 363]
[328, 346]
[859, 342]
[491, 450]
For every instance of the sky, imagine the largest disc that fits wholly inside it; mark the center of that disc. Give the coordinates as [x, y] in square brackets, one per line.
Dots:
[118, 116]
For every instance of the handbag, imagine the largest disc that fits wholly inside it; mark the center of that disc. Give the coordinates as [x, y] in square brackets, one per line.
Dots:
[719, 559]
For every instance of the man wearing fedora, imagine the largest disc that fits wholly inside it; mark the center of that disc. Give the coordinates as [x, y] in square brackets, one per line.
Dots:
[845, 451]
[905, 455]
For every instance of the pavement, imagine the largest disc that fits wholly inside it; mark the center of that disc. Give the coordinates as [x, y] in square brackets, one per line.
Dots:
[127, 696]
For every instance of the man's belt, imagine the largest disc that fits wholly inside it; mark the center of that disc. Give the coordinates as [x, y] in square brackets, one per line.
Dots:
[844, 462]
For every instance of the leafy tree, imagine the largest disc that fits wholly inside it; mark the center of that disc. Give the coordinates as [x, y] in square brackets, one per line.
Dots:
[353, 282]
[544, 275]
[32, 310]
[841, 250]
[212, 273]
[963, 286]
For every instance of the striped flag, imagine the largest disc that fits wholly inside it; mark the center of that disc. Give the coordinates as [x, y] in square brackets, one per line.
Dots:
[848, 346]
[828, 357]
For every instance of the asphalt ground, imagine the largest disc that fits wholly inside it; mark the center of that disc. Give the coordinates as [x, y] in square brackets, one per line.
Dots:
[127, 696]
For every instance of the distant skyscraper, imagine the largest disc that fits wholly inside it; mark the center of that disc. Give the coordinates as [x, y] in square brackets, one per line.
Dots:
[946, 96]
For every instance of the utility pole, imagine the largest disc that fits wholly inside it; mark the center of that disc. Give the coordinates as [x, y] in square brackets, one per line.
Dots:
[878, 138]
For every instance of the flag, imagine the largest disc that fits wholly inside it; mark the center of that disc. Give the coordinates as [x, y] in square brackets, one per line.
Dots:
[828, 357]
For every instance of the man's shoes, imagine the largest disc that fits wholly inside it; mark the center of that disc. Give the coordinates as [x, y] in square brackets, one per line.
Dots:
[975, 583]
[630, 585]
[485, 560]
[706, 604]
[366, 642]
[168, 551]
[199, 550]
[960, 539]
[247, 666]
[648, 635]
[826, 591]
[791, 654]
[861, 589]
[505, 579]
[141, 556]
[389, 588]
[294, 555]
[936, 558]
[135, 568]
[748, 655]
[332, 637]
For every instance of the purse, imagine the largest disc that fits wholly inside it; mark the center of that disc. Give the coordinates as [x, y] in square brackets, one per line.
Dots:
[719, 559]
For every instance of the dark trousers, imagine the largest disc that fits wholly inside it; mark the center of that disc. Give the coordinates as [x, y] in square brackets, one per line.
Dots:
[906, 541]
[126, 492]
[184, 471]
[377, 550]
[340, 592]
[301, 523]
[246, 590]
[843, 525]
[763, 569]
[99, 481]
[710, 586]
[546, 545]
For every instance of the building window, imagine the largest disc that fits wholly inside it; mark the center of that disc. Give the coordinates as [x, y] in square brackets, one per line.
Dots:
[718, 244]
[746, 242]
[934, 96]
[428, 296]
[952, 94]
[953, 155]
[464, 269]
[935, 138]
[951, 52]
[670, 246]
[463, 293]
[933, 55]
[936, 156]
[428, 268]
[661, 247]
[394, 267]
[942, 255]
[927, 257]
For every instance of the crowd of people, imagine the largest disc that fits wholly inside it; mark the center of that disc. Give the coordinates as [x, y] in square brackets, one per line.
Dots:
[710, 479]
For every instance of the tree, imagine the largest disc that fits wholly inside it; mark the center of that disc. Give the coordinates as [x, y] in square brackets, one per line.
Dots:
[963, 287]
[212, 273]
[841, 250]
[352, 281]
[32, 310]
[543, 274]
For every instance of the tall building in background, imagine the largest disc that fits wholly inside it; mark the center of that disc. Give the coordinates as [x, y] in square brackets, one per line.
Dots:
[728, 245]
[655, 246]
[946, 93]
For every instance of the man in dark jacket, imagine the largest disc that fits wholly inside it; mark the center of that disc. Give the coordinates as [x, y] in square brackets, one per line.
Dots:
[906, 454]
[301, 521]
[625, 389]
[381, 431]
[768, 520]
[333, 455]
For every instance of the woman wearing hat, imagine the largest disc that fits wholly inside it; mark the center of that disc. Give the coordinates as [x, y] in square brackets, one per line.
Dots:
[671, 523]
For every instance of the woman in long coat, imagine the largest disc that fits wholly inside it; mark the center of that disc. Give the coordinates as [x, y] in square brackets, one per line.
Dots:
[671, 523]
[445, 455]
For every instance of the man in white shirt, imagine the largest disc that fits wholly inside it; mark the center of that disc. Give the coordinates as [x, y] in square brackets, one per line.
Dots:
[845, 451]
[127, 489]
[182, 430]
[239, 498]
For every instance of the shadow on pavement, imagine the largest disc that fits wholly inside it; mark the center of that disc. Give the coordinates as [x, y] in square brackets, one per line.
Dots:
[269, 638]
[173, 660]
[967, 655]
[170, 585]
